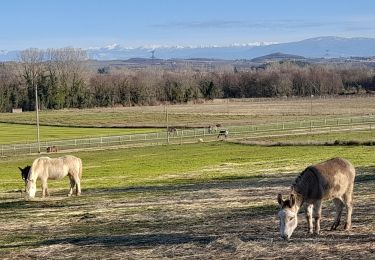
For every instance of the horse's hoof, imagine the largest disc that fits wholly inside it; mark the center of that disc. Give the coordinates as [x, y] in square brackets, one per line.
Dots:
[69, 195]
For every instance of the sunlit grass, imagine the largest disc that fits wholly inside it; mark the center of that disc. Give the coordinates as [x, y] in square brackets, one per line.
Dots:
[188, 163]
[16, 133]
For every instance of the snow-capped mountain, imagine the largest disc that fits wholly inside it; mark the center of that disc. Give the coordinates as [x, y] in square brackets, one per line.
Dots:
[115, 51]
[329, 47]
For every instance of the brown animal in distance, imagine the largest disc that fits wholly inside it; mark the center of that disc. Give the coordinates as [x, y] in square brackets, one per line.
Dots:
[52, 149]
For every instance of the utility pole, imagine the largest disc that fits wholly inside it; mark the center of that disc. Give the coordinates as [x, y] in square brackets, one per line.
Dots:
[37, 116]
[166, 115]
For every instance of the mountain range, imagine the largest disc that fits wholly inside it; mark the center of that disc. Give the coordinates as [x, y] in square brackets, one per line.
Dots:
[320, 47]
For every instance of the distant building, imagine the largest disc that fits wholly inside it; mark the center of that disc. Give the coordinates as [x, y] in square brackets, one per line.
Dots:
[16, 110]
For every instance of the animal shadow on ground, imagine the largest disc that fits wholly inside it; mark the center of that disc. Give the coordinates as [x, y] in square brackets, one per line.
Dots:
[137, 240]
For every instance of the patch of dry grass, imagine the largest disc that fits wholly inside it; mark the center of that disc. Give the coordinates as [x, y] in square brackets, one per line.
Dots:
[220, 220]
[226, 112]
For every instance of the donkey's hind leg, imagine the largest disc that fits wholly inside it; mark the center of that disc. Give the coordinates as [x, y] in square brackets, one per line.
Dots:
[72, 184]
[349, 207]
[339, 205]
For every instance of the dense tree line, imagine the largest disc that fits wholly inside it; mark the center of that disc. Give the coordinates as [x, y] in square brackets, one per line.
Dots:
[64, 80]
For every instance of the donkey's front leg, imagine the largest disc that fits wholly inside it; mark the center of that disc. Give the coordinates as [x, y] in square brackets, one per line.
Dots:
[317, 212]
[309, 211]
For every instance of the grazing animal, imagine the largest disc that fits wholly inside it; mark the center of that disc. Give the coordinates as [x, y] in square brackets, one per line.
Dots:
[45, 168]
[25, 173]
[329, 180]
[172, 131]
[210, 129]
[223, 133]
[52, 149]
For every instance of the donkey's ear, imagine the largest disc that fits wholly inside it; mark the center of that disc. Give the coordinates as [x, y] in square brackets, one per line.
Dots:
[20, 169]
[280, 199]
[292, 200]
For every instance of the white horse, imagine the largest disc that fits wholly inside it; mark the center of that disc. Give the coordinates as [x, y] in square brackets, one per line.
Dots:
[45, 168]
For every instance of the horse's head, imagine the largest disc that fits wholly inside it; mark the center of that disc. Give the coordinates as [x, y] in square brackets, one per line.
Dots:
[30, 189]
[287, 215]
[25, 173]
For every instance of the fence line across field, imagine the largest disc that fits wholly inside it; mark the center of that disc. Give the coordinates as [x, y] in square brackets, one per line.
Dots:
[325, 125]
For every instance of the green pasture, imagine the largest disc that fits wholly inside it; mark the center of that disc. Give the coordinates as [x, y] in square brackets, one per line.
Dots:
[121, 118]
[166, 201]
[18, 133]
[305, 138]
[192, 163]
[150, 117]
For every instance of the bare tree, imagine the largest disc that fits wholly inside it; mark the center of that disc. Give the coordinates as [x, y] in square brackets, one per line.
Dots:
[67, 64]
[32, 68]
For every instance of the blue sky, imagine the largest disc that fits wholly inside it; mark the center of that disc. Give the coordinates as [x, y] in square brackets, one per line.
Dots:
[133, 23]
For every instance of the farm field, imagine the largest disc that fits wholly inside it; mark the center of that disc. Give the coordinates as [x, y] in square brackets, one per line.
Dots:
[208, 200]
[354, 136]
[17, 133]
[226, 112]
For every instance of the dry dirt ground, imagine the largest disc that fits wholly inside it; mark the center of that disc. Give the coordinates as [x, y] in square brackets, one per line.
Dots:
[218, 220]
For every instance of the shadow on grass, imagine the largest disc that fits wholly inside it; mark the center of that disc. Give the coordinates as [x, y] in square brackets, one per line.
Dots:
[138, 240]
[236, 182]
[37, 204]
[365, 174]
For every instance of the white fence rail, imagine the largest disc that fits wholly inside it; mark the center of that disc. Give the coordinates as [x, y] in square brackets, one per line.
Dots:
[189, 135]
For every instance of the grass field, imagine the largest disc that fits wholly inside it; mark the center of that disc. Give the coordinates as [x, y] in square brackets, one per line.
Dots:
[355, 136]
[209, 200]
[17, 133]
[229, 113]
[226, 112]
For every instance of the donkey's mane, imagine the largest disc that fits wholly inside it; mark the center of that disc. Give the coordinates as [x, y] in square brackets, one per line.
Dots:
[307, 183]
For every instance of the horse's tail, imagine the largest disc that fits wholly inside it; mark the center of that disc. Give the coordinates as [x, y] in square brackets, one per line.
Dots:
[80, 169]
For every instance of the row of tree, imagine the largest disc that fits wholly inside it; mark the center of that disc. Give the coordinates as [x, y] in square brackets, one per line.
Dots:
[64, 80]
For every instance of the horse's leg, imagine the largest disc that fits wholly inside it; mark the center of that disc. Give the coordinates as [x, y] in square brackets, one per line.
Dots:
[309, 211]
[339, 205]
[44, 188]
[349, 207]
[78, 184]
[72, 184]
[317, 213]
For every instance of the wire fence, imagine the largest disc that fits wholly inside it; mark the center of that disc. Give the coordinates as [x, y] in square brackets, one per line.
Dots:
[326, 125]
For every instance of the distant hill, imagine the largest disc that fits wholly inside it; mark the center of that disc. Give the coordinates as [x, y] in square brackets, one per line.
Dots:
[320, 47]
[277, 56]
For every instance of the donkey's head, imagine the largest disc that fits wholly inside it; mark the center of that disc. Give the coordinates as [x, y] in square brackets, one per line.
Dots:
[287, 215]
